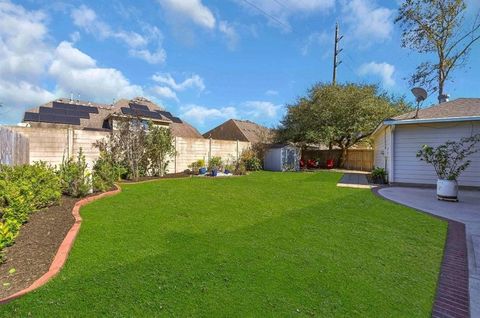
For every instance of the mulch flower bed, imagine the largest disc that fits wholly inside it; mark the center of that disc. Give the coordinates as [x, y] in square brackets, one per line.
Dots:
[35, 247]
[167, 176]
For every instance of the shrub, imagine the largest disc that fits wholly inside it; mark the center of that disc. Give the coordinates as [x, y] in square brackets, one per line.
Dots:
[215, 163]
[105, 173]
[196, 165]
[75, 178]
[240, 169]
[379, 175]
[23, 190]
[251, 161]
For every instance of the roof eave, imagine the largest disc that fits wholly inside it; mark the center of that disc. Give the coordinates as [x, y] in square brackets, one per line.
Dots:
[429, 120]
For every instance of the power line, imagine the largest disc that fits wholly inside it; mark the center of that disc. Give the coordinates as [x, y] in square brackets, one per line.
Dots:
[267, 14]
[281, 4]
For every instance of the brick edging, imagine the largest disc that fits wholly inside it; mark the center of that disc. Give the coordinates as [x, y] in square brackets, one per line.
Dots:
[452, 295]
[64, 248]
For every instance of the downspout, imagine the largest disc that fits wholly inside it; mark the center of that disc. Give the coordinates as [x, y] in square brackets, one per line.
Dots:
[391, 178]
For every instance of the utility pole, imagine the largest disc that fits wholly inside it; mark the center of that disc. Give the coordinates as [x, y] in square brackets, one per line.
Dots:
[336, 51]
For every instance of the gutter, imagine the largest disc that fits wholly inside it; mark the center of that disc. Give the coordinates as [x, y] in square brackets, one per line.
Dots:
[430, 120]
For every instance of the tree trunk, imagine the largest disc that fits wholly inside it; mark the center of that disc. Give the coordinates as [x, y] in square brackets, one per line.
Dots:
[343, 157]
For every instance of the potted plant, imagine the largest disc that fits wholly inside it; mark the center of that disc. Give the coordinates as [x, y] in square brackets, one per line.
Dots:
[229, 168]
[201, 166]
[379, 175]
[449, 161]
[214, 165]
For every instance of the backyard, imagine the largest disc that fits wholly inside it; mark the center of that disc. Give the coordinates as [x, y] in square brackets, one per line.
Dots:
[269, 244]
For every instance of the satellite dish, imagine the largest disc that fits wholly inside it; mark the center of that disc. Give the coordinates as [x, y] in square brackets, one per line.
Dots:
[420, 94]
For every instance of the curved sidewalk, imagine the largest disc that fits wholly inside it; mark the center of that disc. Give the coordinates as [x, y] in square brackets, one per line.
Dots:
[467, 212]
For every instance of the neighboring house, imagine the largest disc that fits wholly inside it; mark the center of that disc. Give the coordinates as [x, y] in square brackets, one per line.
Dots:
[241, 130]
[102, 117]
[60, 128]
[397, 140]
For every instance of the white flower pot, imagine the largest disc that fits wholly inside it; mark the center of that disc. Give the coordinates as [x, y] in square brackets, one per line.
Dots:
[447, 190]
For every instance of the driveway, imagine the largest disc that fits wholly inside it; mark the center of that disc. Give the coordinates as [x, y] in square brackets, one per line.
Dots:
[466, 211]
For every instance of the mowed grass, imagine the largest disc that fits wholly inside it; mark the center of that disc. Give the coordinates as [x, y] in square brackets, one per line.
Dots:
[268, 244]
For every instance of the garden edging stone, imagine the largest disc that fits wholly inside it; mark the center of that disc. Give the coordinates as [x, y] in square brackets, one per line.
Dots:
[64, 249]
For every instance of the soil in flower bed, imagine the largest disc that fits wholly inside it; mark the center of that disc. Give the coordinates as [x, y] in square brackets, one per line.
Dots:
[35, 247]
[167, 176]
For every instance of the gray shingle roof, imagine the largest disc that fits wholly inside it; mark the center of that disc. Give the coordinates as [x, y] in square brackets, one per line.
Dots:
[461, 107]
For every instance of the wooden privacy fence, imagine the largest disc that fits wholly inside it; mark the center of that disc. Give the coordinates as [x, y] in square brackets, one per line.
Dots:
[357, 159]
[14, 148]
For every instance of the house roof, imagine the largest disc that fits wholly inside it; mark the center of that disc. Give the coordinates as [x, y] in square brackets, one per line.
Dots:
[92, 116]
[462, 107]
[243, 130]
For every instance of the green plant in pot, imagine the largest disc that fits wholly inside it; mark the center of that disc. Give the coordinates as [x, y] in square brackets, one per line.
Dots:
[449, 160]
[214, 164]
[379, 175]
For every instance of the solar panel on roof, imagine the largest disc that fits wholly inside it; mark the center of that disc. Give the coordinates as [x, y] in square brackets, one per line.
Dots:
[82, 108]
[176, 120]
[64, 112]
[139, 107]
[166, 114]
[30, 116]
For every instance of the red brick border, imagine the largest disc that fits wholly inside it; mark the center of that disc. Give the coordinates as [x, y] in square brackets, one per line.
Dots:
[452, 295]
[64, 249]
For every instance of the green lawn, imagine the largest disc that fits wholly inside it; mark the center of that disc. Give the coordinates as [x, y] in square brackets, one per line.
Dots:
[268, 244]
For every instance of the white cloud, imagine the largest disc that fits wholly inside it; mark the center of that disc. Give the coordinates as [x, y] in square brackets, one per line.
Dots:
[366, 22]
[229, 33]
[383, 70]
[194, 81]
[189, 10]
[23, 52]
[165, 92]
[260, 109]
[157, 57]
[199, 114]
[86, 19]
[77, 72]
[24, 55]
[316, 38]
[271, 92]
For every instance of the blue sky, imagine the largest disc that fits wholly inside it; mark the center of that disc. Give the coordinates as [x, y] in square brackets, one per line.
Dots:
[204, 60]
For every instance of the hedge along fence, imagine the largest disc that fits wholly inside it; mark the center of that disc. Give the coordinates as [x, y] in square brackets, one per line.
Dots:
[357, 159]
[14, 147]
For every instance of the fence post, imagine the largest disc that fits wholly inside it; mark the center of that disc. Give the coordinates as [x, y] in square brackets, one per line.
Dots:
[238, 155]
[175, 156]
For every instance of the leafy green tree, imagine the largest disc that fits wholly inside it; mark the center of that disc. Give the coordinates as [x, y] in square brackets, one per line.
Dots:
[159, 148]
[338, 115]
[437, 28]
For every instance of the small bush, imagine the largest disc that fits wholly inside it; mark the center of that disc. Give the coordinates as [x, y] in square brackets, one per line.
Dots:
[75, 178]
[379, 175]
[251, 161]
[23, 190]
[105, 173]
[240, 169]
[215, 163]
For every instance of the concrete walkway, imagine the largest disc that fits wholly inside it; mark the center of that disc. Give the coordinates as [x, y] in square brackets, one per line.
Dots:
[466, 211]
[354, 180]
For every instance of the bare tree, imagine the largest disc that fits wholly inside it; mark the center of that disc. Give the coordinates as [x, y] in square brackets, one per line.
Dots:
[437, 27]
